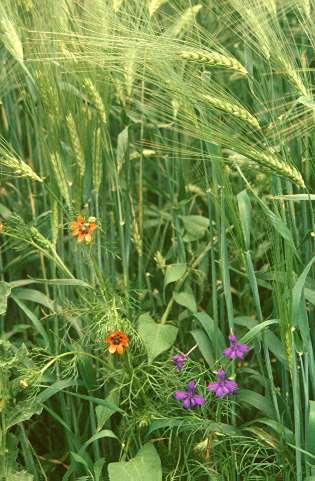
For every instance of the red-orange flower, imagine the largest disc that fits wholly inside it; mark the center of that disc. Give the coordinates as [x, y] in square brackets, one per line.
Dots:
[117, 342]
[82, 229]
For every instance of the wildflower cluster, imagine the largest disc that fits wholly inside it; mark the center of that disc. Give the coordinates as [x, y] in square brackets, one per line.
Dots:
[223, 386]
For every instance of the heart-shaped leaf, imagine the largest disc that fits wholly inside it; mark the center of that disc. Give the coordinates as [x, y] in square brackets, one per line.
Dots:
[146, 466]
[174, 272]
[195, 226]
[157, 338]
[186, 299]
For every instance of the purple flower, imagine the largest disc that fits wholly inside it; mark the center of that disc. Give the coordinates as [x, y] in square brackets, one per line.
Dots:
[235, 349]
[223, 386]
[179, 360]
[189, 398]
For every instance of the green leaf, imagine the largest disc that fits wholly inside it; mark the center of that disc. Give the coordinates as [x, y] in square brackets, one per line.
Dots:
[174, 272]
[96, 400]
[298, 304]
[98, 468]
[23, 411]
[186, 299]
[276, 347]
[293, 197]
[12, 451]
[5, 213]
[195, 226]
[103, 413]
[52, 282]
[256, 330]
[311, 429]
[280, 226]
[122, 147]
[204, 345]
[5, 291]
[213, 332]
[55, 388]
[106, 433]
[79, 459]
[34, 319]
[279, 428]
[33, 295]
[257, 401]
[244, 206]
[146, 466]
[157, 338]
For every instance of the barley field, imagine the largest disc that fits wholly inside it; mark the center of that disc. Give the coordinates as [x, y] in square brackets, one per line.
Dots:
[157, 233]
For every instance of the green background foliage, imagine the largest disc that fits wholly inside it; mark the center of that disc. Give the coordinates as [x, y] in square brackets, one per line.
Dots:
[186, 128]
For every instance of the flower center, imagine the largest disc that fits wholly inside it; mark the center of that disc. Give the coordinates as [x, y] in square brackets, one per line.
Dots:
[116, 340]
[84, 228]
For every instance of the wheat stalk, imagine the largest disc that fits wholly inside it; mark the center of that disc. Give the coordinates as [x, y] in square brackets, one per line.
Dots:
[233, 109]
[270, 161]
[155, 5]
[97, 99]
[12, 39]
[185, 21]
[283, 169]
[97, 166]
[16, 165]
[60, 177]
[76, 145]
[212, 58]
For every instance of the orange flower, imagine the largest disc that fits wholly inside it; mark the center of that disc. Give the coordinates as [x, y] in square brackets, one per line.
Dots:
[83, 230]
[117, 342]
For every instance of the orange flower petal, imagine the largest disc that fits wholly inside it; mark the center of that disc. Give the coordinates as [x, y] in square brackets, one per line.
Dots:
[73, 225]
[112, 348]
[119, 349]
[88, 238]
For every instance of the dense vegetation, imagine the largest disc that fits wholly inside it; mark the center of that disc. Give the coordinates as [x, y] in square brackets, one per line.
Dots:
[157, 165]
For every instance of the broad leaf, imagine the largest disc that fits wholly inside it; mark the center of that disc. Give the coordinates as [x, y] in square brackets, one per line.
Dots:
[186, 299]
[23, 411]
[146, 466]
[195, 226]
[157, 338]
[174, 272]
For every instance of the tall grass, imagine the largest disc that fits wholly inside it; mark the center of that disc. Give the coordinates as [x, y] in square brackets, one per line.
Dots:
[187, 130]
